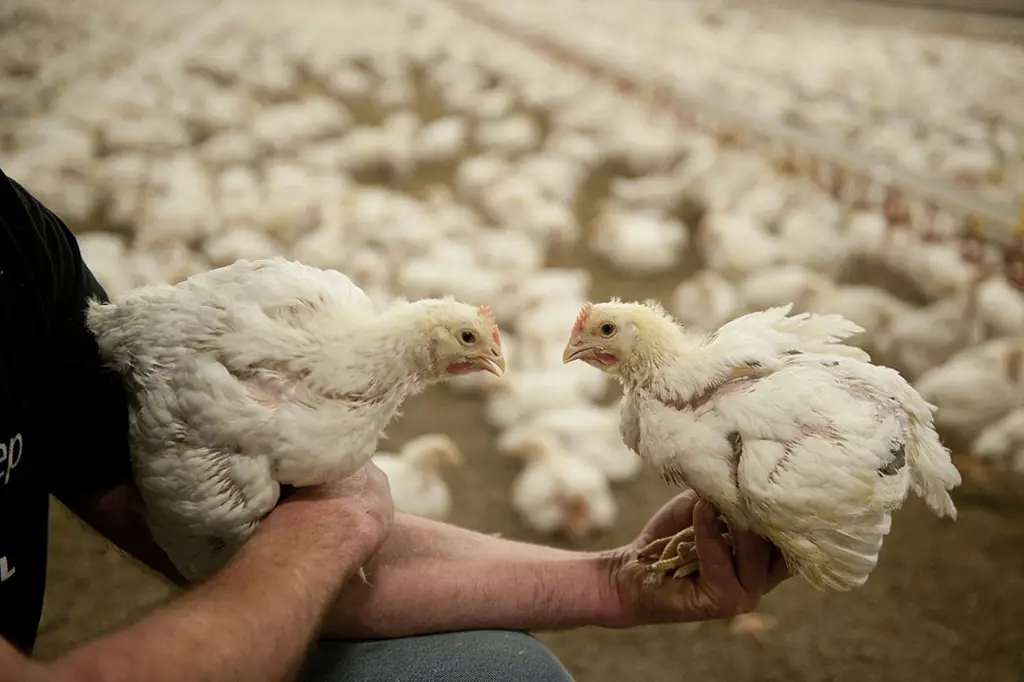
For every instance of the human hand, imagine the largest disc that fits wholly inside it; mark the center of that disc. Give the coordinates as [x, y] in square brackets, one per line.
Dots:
[726, 585]
[356, 509]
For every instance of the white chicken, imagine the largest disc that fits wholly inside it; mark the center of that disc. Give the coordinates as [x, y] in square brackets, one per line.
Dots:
[781, 284]
[417, 486]
[639, 240]
[705, 300]
[265, 373]
[1003, 442]
[590, 432]
[976, 386]
[558, 492]
[784, 429]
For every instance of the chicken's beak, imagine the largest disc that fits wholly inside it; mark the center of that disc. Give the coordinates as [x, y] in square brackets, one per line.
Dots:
[574, 352]
[495, 364]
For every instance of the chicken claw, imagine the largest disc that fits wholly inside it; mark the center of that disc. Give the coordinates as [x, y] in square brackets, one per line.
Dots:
[666, 547]
[676, 554]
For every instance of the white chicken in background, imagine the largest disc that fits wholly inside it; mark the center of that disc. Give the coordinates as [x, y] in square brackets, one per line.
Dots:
[810, 235]
[784, 429]
[705, 300]
[107, 256]
[1002, 442]
[923, 338]
[1000, 306]
[441, 141]
[536, 324]
[530, 392]
[783, 284]
[641, 241]
[977, 386]
[265, 373]
[869, 307]
[558, 492]
[736, 245]
[590, 432]
[414, 475]
[937, 269]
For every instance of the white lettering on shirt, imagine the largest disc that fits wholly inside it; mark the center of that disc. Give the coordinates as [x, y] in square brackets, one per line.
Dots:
[5, 570]
[10, 456]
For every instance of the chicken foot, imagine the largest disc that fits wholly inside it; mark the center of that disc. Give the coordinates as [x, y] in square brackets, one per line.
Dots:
[676, 554]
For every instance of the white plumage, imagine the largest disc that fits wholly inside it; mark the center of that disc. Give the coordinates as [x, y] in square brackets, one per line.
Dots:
[787, 431]
[265, 373]
[417, 486]
[558, 492]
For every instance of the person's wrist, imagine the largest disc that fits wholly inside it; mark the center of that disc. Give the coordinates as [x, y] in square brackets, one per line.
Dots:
[617, 608]
[346, 534]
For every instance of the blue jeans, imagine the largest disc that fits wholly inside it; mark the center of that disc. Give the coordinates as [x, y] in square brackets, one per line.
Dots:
[482, 656]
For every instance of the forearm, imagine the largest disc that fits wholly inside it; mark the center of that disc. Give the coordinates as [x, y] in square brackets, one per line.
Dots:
[433, 577]
[252, 621]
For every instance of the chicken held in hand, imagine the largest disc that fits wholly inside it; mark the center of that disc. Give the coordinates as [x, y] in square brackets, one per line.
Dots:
[783, 428]
[265, 373]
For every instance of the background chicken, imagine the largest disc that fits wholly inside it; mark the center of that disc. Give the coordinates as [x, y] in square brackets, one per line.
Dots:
[265, 373]
[558, 492]
[787, 431]
[417, 486]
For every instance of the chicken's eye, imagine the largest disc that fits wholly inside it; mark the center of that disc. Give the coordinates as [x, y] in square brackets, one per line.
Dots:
[607, 329]
[468, 337]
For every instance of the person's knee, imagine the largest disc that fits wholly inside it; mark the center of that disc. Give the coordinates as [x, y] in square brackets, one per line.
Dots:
[480, 656]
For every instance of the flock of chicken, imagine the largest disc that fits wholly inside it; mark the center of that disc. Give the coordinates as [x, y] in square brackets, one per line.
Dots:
[885, 91]
[424, 156]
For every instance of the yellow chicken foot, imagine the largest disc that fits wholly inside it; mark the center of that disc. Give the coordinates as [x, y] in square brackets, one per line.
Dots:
[679, 550]
[667, 546]
[676, 554]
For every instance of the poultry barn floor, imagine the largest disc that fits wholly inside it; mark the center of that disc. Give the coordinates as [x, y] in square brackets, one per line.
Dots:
[944, 603]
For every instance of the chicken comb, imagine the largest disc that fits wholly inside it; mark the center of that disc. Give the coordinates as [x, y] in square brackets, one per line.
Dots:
[581, 319]
[488, 315]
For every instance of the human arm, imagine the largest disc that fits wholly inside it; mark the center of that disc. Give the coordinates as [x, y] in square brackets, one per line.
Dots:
[432, 577]
[254, 619]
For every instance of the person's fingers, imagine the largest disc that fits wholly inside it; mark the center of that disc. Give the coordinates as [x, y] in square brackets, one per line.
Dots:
[674, 516]
[753, 559]
[713, 553]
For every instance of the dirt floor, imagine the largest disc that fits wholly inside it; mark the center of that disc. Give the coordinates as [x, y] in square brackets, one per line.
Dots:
[946, 603]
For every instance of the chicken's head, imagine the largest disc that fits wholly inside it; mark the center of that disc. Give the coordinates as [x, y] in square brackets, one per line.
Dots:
[465, 339]
[433, 451]
[576, 513]
[607, 335]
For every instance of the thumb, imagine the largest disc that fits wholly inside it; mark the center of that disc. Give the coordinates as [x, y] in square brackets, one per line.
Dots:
[673, 517]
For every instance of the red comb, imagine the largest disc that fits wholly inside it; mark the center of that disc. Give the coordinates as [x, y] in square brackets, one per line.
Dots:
[581, 319]
[488, 314]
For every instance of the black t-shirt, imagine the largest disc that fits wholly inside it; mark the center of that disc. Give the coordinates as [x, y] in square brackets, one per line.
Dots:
[63, 417]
